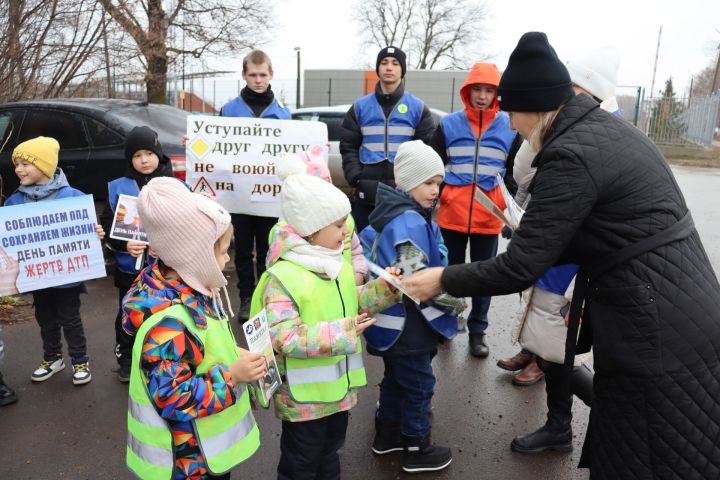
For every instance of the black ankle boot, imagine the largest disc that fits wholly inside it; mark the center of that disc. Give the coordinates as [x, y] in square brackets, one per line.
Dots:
[387, 437]
[556, 434]
[478, 347]
[7, 394]
[422, 456]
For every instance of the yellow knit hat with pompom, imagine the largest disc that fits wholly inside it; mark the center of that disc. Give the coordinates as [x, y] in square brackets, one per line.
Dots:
[41, 152]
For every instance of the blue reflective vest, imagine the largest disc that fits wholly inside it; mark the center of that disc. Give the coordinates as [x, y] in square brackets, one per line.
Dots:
[467, 156]
[382, 136]
[123, 186]
[238, 108]
[409, 226]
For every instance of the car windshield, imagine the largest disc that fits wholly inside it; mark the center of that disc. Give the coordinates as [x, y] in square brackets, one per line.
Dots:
[170, 123]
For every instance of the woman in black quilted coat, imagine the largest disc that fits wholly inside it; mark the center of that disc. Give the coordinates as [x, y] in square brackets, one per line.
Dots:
[604, 197]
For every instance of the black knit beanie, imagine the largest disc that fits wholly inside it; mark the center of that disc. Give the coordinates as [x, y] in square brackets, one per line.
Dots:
[142, 138]
[394, 52]
[535, 79]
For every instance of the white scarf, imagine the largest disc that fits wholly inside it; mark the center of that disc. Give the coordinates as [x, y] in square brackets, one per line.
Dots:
[317, 259]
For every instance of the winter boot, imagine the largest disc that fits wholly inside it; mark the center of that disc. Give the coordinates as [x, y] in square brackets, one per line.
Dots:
[7, 394]
[387, 437]
[421, 456]
[581, 384]
[244, 310]
[556, 434]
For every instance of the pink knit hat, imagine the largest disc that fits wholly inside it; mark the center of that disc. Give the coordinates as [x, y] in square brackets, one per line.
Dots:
[183, 227]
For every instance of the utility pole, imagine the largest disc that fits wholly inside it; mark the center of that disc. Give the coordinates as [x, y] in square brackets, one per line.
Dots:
[297, 86]
[657, 54]
[715, 84]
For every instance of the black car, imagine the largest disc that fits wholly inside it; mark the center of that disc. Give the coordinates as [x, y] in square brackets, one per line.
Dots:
[91, 133]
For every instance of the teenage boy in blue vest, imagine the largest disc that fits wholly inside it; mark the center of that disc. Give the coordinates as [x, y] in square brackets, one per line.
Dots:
[374, 128]
[256, 100]
[402, 234]
[145, 161]
[475, 144]
[57, 309]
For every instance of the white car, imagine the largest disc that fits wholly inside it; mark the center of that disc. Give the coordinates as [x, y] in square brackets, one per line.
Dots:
[333, 118]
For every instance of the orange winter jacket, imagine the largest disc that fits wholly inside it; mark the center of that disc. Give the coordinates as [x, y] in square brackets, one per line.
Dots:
[457, 202]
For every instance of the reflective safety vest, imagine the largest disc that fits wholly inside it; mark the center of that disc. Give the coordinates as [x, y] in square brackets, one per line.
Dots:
[238, 108]
[226, 438]
[408, 226]
[382, 136]
[468, 155]
[317, 379]
[123, 186]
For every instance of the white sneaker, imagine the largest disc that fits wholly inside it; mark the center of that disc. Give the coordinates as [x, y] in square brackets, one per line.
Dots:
[81, 373]
[47, 369]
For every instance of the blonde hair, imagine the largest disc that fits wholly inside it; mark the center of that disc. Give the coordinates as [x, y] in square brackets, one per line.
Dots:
[257, 57]
[542, 127]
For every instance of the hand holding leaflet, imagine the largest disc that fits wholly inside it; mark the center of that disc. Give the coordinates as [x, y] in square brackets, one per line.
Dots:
[380, 272]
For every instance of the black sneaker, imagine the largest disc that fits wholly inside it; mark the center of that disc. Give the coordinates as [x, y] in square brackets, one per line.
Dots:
[244, 311]
[387, 437]
[422, 456]
[123, 374]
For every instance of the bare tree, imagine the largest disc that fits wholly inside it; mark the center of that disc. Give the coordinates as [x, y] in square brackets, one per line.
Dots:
[434, 33]
[47, 45]
[205, 26]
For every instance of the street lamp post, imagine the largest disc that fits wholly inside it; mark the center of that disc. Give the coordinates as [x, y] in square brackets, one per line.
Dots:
[297, 86]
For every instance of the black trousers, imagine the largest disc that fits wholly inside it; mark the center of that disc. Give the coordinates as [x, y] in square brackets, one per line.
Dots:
[57, 311]
[482, 247]
[309, 450]
[251, 232]
[360, 212]
[123, 341]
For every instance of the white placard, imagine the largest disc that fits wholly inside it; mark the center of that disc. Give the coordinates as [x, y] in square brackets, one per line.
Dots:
[46, 244]
[234, 158]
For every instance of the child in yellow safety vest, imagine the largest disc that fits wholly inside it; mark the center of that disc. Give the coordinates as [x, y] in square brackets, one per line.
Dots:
[316, 315]
[189, 412]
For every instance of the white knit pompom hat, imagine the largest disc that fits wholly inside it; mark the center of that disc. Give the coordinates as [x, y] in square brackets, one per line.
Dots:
[308, 203]
[415, 163]
[597, 71]
[182, 227]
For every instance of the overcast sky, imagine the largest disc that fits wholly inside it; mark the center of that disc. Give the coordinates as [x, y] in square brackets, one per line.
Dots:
[327, 34]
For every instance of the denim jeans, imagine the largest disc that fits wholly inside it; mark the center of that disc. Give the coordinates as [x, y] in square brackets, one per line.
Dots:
[406, 392]
[482, 247]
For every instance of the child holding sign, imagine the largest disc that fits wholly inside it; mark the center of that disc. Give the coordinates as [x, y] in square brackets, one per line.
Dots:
[189, 412]
[145, 161]
[57, 309]
[313, 309]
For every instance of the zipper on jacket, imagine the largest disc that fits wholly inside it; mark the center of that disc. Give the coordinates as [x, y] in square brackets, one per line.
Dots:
[387, 157]
[474, 177]
[337, 284]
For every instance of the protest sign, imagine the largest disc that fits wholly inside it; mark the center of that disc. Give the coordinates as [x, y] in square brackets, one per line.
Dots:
[126, 224]
[234, 158]
[257, 335]
[45, 244]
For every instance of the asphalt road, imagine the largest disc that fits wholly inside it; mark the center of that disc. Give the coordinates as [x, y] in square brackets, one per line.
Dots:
[60, 431]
